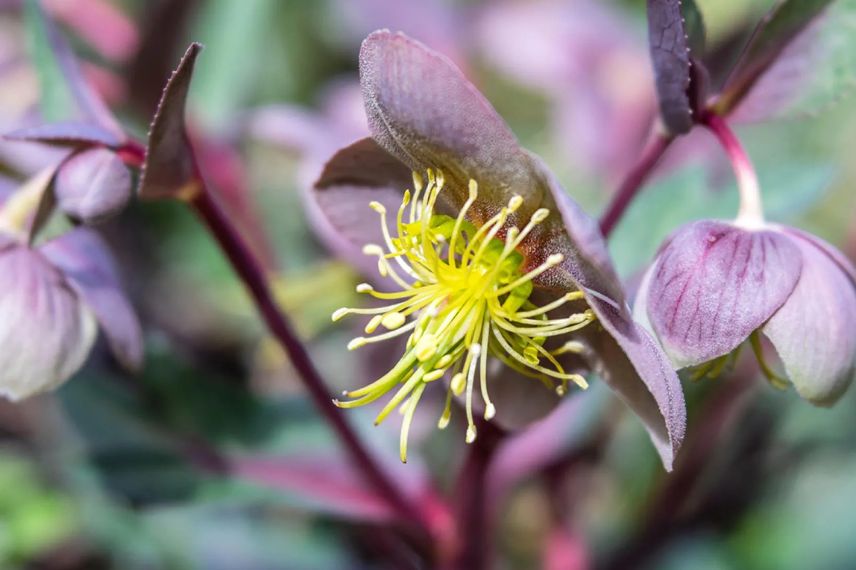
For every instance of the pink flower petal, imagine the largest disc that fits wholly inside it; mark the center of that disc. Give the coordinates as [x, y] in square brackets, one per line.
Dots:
[714, 284]
[814, 332]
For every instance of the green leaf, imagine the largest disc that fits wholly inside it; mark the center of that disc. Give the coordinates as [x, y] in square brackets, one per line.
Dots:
[235, 34]
[58, 102]
[817, 69]
[65, 94]
[694, 26]
[788, 46]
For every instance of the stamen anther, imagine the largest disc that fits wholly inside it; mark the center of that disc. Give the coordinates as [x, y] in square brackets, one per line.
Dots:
[540, 215]
[392, 321]
[339, 313]
[471, 434]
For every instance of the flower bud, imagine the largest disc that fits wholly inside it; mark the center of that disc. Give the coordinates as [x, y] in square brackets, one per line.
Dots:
[46, 331]
[93, 185]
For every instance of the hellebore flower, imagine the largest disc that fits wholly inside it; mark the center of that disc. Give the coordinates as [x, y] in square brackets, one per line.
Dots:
[501, 284]
[716, 284]
[52, 299]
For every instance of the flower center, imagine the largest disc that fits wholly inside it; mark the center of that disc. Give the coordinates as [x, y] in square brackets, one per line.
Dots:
[463, 294]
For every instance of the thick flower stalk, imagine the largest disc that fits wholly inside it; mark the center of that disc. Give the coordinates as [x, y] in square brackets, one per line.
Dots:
[464, 294]
[496, 283]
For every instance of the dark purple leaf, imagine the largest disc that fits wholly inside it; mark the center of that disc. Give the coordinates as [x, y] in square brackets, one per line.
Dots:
[92, 185]
[66, 133]
[670, 55]
[170, 169]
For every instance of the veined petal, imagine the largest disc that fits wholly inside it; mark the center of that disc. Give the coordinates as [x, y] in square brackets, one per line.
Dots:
[46, 331]
[714, 284]
[84, 260]
[814, 332]
[424, 111]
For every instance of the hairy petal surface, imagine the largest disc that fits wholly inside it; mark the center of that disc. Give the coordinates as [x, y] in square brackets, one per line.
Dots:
[573, 233]
[635, 367]
[424, 111]
[90, 271]
[814, 332]
[46, 331]
[714, 284]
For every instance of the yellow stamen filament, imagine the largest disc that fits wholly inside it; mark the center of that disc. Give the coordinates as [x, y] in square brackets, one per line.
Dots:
[463, 296]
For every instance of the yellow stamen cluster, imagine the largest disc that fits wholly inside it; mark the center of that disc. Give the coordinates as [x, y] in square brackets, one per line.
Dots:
[463, 295]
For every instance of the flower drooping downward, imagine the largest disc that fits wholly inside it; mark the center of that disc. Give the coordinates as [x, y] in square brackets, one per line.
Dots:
[465, 293]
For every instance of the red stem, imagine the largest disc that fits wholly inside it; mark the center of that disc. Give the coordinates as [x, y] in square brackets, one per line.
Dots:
[471, 549]
[751, 209]
[633, 182]
[250, 272]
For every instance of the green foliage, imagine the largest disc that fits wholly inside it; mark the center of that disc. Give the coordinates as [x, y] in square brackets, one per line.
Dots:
[58, 102]
[33, 516]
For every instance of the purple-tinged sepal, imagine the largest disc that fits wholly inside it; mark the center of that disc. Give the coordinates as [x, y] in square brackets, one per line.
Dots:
[814, 332]
[716, 285]
[88, 267]
[46, 331]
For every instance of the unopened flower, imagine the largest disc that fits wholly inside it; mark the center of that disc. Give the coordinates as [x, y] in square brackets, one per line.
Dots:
[499, 283]
[717, 284]
[92, 184]
[52, 299]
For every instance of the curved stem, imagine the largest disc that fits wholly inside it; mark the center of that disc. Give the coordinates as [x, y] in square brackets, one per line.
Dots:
[751, 212]
[633, 182]
[250, 272]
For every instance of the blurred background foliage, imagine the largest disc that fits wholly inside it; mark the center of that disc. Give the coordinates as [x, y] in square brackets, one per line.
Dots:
[126, 472]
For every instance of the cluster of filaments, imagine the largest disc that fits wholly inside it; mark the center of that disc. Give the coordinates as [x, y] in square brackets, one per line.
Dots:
[463, 295]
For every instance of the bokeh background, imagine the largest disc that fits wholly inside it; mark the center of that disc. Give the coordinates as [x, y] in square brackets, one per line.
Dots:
[119, 471]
